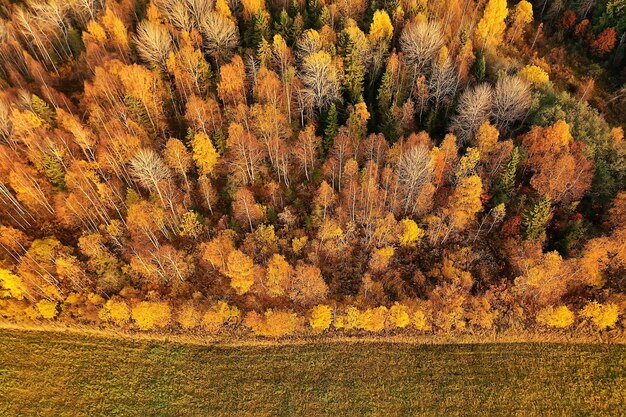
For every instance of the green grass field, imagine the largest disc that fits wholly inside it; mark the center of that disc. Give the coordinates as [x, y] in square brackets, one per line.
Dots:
[54, 374]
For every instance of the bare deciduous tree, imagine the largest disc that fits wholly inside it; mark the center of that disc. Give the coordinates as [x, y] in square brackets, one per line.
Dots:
[420, 41]
[414, 172]
[148, 169]
[511, 101]
[321, 80]
[474, 108]
[443, 82]
[220, 36]
[154, 43]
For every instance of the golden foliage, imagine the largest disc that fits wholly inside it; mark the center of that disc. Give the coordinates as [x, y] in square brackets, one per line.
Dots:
[321, 317]
[380, 258]
[559, 317]
[273, 323]
[12, 285]
[241, 271]
[116, 311]
[219, 315]
[603, 316]
[409, 233]
[399, 315]
[490, 29]
[204, 153]
[381, 29]
[189, 316]
[534, 75]
[278, 276]
[47, 309]
[148, 315]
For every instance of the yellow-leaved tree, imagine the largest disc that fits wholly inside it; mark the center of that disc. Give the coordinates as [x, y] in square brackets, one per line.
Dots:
[321, 317]
[559, 317]
[603, 316]
[11, 285]
[116, 311]
[278, 275]
[399, 315]
[273, 323]
[219, 315]
[189, 316]
[381, 29]
[47, 309]
[490, 29]
[241, 270]
[409, 233]
[204, 153]
[150, 314]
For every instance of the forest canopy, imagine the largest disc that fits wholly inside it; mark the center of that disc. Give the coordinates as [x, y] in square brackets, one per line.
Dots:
[266, 167]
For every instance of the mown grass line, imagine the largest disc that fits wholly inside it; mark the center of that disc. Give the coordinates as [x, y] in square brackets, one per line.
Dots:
[57, 374]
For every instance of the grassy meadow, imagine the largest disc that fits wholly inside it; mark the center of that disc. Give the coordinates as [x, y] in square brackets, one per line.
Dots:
[62, 374]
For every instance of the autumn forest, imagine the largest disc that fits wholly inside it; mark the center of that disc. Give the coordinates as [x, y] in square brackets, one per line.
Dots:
[265, 168]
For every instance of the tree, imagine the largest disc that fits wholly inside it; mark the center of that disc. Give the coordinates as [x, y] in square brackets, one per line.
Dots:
[604, 43]
[220, 36]
[486, 140]
[561, 171]
[414, 173]
[278, 276]
[308, 286]
[321, 317]
[309, 43]
[241, 271]
[535, 219]
[219, 315]
[12, 285]
[273, 323]
[148, 315]
[409, 233]
[354, 71]
[47, 309]
[603, 316]
[421, 41]
[188, 316]
[490, 29]
[217, 250]
[177, 157]
[192, 73]
[465, 202]
[511, 101]
[321, 81]
[331, 128]
[245, 208]
[443, 79]
[473, 109]
[204, 153]
[380, 258]
[505, 182]
[559, 317]
[534, 75]
[153, 43]
[522, 16]
[399, 315]
[381, 29]
[231, 88]
[305, 150]
[116, 311]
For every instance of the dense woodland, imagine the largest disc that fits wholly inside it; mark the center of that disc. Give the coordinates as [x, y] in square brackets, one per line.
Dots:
[272, 168]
